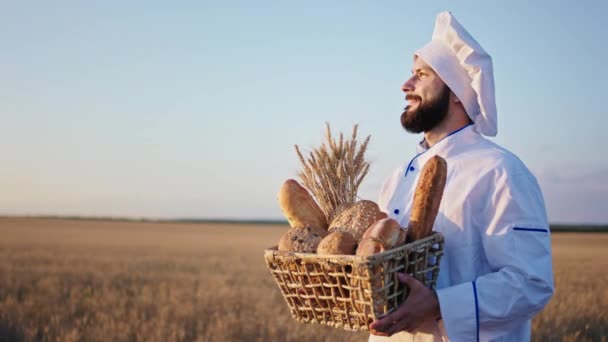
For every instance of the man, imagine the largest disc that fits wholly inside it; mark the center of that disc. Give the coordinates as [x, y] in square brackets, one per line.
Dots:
[496, 272]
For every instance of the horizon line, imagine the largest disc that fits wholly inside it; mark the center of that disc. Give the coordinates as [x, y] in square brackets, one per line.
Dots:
[593, 226]
[145, 219]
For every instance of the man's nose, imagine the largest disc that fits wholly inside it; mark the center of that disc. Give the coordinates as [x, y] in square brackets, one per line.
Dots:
[408, 86]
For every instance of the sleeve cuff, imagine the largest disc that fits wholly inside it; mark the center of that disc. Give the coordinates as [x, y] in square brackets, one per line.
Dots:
[459, 311]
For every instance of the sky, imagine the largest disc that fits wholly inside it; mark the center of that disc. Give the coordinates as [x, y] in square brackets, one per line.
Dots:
[153, 109]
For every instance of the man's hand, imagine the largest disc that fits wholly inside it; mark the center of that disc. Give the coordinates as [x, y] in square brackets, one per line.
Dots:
[420, 306]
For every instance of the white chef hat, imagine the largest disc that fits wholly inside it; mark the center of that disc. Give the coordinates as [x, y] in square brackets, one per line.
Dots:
[466, 68]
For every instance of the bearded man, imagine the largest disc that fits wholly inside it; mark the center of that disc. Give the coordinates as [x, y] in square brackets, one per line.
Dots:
[496, 272]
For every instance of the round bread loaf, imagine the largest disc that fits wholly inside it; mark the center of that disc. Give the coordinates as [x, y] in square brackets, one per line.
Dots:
[387, 231]
[356, 219]
[337, 242]
[302, 239]
[383, 235]
[369, 246]
[299, 207]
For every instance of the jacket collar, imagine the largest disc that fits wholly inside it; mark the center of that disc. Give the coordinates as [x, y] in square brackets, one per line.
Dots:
[448, 145]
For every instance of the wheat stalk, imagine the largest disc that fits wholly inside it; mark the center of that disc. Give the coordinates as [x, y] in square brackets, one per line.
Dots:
[334, 171]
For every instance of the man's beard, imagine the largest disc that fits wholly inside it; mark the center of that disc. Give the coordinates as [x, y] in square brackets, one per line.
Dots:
[428, 114]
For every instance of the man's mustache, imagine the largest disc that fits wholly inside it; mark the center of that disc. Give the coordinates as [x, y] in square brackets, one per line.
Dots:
[413, 97]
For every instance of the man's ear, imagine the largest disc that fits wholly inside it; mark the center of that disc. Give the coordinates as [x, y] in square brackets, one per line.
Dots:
[454, 98]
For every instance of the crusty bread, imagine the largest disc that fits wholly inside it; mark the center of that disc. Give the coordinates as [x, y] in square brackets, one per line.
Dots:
[383, 235]
[427, 198]
[356, 219]
[387, 231]
[302, 239]
[369, 246]
[337, 242]
[299, 207]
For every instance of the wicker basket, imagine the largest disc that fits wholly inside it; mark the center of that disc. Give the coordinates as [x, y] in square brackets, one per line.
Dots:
[347, 291]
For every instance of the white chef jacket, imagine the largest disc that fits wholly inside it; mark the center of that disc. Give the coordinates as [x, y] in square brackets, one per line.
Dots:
[496, 271]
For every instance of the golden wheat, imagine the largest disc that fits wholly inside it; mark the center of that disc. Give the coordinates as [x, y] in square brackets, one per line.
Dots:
[64, 280]
[334, 171]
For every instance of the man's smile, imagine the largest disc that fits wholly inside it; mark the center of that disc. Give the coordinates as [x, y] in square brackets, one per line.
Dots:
[413, 100]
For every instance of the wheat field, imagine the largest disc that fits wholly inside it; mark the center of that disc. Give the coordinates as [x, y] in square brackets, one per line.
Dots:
[74, 280]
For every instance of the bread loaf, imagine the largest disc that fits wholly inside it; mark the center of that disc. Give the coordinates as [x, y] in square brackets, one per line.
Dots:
[369, 246]
[337, 243]
[387, 231]
[339, 209]
[299, 207]
[383, 235]
[356, 219]
[427, 199]
[302, 239]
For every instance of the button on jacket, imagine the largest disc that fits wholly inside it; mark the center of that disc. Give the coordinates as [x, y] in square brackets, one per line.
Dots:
[496, 271]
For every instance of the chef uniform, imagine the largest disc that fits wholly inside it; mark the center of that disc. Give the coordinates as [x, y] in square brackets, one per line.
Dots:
[496, 273]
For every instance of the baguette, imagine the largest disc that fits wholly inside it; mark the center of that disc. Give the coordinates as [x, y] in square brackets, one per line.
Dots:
[427, 199]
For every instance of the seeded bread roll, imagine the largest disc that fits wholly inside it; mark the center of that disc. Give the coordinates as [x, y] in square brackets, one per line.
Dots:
[356, 219]
[427, 198]
[339, 209]
[299, 207]
[337, 243]
[302, 239]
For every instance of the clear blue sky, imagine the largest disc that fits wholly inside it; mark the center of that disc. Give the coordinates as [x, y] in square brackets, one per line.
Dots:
[191, 109]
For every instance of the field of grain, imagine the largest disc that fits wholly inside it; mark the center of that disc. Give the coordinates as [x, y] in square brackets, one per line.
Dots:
[68, 280]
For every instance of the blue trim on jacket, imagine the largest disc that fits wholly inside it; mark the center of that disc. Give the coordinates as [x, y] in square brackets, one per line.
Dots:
[476, 309]
[531, 229]
[407, 169]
